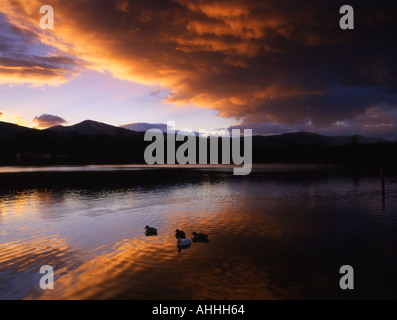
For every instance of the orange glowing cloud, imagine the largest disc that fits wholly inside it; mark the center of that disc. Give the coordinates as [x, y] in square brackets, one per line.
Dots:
[162, 56]
[26, 59]
[34, 76]
[250, 60]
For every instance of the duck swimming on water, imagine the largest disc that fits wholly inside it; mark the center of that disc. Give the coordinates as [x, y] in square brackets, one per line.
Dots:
[180, 234]
[150, 231]
[183, 244]
[199, 237]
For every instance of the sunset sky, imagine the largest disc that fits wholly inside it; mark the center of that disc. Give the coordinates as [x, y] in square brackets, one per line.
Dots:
[271, 66]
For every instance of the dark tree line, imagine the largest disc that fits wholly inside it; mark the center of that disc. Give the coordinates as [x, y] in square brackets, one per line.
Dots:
[30, 147]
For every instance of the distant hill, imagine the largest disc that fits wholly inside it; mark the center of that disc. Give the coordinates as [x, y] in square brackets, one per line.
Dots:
[90, 127]
[306, 138]
[144, 126]
[8, 130]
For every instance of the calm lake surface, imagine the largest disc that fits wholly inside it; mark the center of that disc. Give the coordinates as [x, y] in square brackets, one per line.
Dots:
[282, 232]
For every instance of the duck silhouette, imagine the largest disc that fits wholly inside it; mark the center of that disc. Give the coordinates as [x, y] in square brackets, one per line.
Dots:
[199, 237]
[180, 234]
[150, 231]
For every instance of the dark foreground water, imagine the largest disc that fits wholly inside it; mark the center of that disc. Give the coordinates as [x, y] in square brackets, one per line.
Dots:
[283, 232]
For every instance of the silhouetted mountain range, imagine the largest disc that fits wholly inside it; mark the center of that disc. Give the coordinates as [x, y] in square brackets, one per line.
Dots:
[95, 142]
[8, 130]
[296, 138]
[306, 138]
[90, 127]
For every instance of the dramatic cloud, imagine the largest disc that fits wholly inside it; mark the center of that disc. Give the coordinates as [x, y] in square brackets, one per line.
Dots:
[48, 120]
[22, 59]
[277, 65]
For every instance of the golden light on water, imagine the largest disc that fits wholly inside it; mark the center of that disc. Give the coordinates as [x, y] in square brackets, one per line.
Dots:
[269, 239]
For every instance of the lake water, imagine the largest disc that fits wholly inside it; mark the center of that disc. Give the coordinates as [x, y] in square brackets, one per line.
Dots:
[282, 232]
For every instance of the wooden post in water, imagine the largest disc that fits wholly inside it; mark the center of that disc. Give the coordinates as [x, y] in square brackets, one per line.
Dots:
[383, 186]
